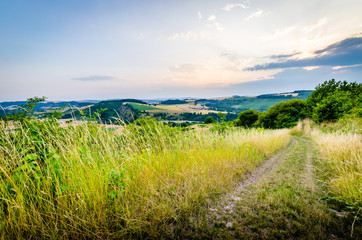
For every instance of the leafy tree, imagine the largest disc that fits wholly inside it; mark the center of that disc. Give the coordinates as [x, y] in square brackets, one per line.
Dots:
[208, 120]
[283, 115]
[247, 118]
[333, 99]
[184, 124]
[333, 107]
[26, 111]
[221, 116]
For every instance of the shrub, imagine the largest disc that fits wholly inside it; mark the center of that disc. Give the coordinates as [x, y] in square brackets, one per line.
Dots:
[247, 118]
[284, 114]
[208, 120]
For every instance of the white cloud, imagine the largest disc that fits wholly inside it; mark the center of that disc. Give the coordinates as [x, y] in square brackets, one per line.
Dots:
[317, 24]
[186, 68]
[199, 15]
[218, 26]
[281, 32]
[217, 71]
[215, 25]
[341, 67]
[211, 17]
[257, 14]
[190, 35]
[311, 68]
[230, 6]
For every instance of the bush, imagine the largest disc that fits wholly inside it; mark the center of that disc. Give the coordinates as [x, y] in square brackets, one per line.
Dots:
[334, 99]
[208, 120]
[247, 118]
[284, 114]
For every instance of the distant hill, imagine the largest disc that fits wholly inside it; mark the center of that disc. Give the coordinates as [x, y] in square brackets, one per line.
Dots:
[45, 105]
[260, 103]
[173, 102]
[8, 107]
[109, 111]
[130, 109]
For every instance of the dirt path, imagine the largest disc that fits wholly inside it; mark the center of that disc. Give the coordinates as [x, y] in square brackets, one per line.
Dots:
[281, 199]
[226, 205]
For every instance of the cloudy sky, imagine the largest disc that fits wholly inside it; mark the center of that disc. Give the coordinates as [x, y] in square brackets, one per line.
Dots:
[103, 49]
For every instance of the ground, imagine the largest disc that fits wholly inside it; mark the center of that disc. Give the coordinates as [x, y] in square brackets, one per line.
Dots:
[282, 199]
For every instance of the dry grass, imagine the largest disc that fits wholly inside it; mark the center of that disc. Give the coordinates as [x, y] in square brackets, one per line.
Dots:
[86, 181]
[342, 162]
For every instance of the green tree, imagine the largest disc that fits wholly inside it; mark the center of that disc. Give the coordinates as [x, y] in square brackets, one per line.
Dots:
[221, 116]
[208, 120]
[333, 99]
[333, 107]
[26, 111]
[247, 118]
[284, 114]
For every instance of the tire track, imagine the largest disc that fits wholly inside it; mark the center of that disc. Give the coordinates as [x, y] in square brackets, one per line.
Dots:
[226, 205]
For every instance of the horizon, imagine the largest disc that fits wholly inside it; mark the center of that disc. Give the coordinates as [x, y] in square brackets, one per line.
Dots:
[84, 50]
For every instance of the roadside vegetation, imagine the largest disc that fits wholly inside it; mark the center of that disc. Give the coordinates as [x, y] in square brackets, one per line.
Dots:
[341, 166]
[86, 181]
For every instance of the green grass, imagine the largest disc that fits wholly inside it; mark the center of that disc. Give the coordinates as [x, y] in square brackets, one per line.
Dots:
[145, 181]
[341, 167]
[142, 107]
[257, 104]
[286, 205]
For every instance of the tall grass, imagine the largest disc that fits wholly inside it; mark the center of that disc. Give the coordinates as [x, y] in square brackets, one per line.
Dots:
[342, 160]
[86, 181]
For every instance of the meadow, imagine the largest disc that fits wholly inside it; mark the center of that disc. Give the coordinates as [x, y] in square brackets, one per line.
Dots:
[340, 147]
[85, 181]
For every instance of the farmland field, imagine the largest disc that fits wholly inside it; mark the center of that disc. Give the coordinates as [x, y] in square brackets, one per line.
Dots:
[142, 107]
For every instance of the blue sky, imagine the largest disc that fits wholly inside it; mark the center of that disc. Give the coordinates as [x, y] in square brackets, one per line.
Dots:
[103, 49]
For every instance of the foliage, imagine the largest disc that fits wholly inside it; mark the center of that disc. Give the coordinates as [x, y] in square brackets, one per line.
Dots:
[114, 111]
[330, 101]
[333, 107]
[247, 118]
[334, 99]
[209, 120]
[221, 117]
[172, 102]
[139, 181]
[283, 115]
[340, 166]
[25, 111]
[222, 128]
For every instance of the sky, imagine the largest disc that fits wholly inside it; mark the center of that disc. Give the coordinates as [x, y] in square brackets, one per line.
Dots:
[107, 49]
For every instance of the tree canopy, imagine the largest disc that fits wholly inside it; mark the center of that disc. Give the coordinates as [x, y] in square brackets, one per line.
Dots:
[247, 118]
[334, 99]
[284, 114]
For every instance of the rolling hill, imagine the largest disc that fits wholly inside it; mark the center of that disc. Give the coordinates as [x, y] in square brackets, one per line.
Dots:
[129, 110]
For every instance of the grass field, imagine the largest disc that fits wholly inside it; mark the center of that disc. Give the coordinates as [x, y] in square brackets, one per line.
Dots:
[341, 168]
[88, 182]
[183, 108]
[142, 107]
[148, 180]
